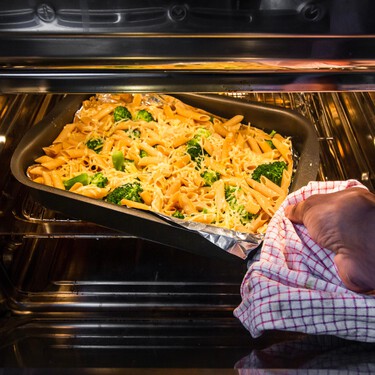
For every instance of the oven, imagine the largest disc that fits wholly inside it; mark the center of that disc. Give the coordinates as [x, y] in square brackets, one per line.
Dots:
[79, 297]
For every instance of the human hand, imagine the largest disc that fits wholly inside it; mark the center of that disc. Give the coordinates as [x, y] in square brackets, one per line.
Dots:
[343, 222]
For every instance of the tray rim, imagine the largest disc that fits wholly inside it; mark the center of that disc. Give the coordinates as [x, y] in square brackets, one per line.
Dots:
[45, 194]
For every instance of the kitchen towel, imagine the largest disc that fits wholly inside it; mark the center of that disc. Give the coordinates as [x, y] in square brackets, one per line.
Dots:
[292, 284]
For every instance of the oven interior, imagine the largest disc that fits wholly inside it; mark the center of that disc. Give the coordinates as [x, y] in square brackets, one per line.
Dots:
[72, 288]
[76, 295]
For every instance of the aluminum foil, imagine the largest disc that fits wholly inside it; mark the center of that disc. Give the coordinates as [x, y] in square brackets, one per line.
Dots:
[237, 243]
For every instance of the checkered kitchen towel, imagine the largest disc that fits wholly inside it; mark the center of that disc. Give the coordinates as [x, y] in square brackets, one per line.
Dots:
[293, 284]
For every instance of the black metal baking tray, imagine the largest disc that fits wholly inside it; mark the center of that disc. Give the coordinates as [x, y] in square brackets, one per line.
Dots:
[144, 224]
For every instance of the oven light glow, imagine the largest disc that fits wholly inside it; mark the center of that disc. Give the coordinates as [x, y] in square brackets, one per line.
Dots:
[2, 138]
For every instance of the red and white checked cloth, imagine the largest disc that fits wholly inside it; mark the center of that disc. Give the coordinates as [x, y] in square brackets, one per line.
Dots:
[293, 284]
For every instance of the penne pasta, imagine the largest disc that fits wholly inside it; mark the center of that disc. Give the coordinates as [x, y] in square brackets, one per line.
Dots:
[147, 160]
[263, 145]
[56, 180]
[173, 188]
[132, 204]
[183, 111]
[137, 100]
[278, 201]
[240, 141]
[259, 222]
[219, 190]
[186, 204]
[262, 188]
[108, 108]
[284, 149]
[263, 202]
[252, 207]
[204, 218]
[175, 159]
[208, 147]
[35, 170]
[150, 150]
[220, 129]
[254, 145]
[47, 179]
[233, 121]
[181, 139]
[168, 111]
[182, 161]
[67, 130]
[54, 163]
[53, 150]
[285, 181]
[271, 185]
[91, 192]
[74, 153]
[228, 141]
[44, 159]
[39, 180]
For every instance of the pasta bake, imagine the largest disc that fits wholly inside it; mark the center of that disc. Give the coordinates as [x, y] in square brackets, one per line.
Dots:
[157, 153]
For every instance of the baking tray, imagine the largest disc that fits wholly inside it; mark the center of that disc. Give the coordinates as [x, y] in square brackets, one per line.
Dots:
[147, 225]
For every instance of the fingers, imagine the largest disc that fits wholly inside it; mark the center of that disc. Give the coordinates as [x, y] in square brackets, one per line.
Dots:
[295, 212]
[352, 275]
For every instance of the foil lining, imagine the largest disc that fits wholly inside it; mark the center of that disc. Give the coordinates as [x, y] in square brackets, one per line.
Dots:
[236, 243]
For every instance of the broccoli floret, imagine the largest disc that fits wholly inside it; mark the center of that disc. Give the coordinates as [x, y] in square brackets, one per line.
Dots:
[178, 214]
[121, 113]
[246, 216]
[133, 133]
[202, 132]
[269, 141]
[273, 132]
[273, 171]
[194, 148]
[129, 166]
[230, 197]
[128, 191]
[230, 194]
[99, 180]
[83, 178]
[118, 160]
[121, 164]
[143, 154]
[95, 144]
[144, 115]
[210, 177]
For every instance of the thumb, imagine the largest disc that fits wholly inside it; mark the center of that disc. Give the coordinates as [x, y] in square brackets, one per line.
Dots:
[295, 212]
